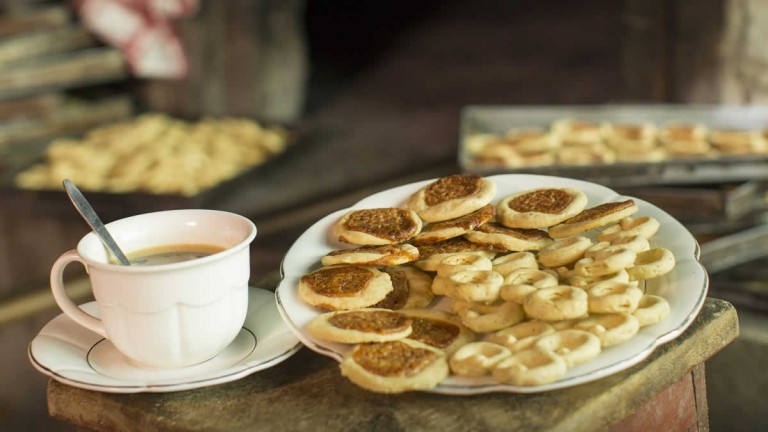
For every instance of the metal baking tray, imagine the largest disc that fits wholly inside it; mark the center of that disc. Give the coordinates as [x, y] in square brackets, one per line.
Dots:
[478, 119]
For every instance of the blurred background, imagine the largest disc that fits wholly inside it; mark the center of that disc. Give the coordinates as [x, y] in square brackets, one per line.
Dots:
[341, 99]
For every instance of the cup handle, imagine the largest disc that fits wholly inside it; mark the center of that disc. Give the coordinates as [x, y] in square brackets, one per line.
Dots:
[62, 298]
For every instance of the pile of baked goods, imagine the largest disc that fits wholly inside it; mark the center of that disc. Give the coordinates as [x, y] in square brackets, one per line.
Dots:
[537, 282]
[158, 154]
[574, 142]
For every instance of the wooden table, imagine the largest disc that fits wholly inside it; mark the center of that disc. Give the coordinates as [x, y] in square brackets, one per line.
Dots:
[667, 391]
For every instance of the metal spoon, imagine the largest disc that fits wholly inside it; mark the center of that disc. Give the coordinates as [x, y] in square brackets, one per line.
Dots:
[90, 216]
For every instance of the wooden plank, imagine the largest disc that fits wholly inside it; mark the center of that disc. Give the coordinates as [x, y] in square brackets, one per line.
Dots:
[72, 119]
[87, 67]
[52, 41]
[673, 409]
[35, 106]
[44, 18]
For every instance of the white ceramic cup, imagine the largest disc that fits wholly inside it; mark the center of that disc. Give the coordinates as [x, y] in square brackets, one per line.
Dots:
[169, 315]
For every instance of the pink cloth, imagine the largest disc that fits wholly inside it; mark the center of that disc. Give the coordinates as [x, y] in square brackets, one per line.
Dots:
[143, 30]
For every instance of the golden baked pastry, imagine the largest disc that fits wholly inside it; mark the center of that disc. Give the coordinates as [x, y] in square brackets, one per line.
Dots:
[477, 358]
[379, 226]
[440, 231]
[431, 255]
[496, 236]
[451, 197]
[438, 329]
[396, 366]
[540, 208]
[594, 217]
[344, 287]
[411, 288]
[360, 325]
[384, 255]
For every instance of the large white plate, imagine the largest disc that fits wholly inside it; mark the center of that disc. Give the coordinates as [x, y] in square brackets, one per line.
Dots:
[71, 354]
[685, 287]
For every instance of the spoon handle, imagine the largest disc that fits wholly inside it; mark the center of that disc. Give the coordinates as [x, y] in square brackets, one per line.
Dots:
[90, 216]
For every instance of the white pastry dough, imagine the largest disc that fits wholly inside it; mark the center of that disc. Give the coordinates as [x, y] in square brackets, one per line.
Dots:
[477, 358]
[521, 336]
[473, 285]
[612, 329]
[645, 226]
[506, 264]
[611, 297]
[557, 303]
[530, 367]
[522, 282]
[651, 310]
[574, 346]
[606, 261]
[652, 263]
[563, 252]
[461, 262]
[504, 315]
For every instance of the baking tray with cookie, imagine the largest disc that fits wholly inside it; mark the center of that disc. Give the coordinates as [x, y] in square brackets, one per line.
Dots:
[148, 163]
[618, 144]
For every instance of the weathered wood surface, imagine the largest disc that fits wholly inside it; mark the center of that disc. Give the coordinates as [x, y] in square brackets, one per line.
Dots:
[307, 392]
[82, 68]
[27, 46]
[21, 20]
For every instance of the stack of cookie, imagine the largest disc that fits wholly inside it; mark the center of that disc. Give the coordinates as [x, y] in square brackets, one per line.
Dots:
[536, 282]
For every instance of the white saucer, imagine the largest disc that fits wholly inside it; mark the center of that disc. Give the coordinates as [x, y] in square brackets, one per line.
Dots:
[73, 355]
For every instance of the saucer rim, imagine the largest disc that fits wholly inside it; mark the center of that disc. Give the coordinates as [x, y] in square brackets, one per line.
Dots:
[235, 374]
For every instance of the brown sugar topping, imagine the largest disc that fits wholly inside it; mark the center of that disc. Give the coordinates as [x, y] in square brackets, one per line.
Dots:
[452, 187]
[521, 233]
[550, 201]
[392, 224]
[399, 295]
[380, 322]
[393, 359]
[469, 221]
[600, 211]
[341, 281]
[453, 245]
[436, 333]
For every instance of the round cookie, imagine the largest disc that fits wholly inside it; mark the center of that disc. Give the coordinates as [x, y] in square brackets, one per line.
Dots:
[497, 236]
[540, 208]
[395, 366]
[360, 325]
[379, 226]
[440, 231]
[594, 217]
[451, 197]
[384, 255]
[477, 358]
[411, 288]
[438, 329]
[344, 287]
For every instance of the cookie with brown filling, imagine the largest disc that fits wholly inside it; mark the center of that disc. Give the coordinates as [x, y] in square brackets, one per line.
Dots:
[378, 226]
[451, 197]
[344, 287]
